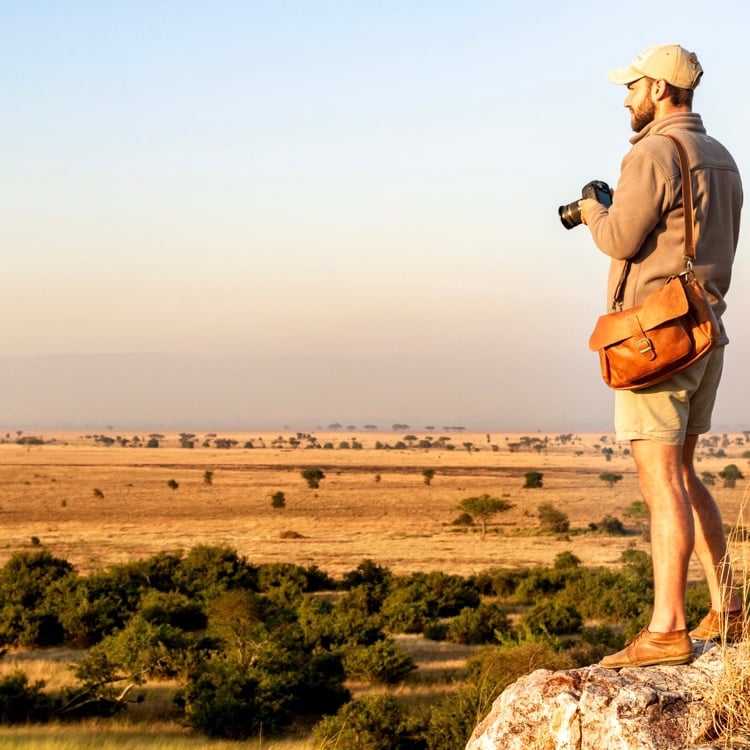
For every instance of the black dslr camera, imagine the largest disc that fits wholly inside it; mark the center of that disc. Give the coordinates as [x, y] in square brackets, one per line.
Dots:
[570, 215]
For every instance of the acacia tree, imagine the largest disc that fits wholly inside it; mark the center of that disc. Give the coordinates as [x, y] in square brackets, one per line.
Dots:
[610, 478]
[730, 474]
[483, 508]
[312, 476]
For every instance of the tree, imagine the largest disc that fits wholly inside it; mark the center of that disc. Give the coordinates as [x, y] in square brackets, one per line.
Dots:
[312, 475]
[484, 507]
[610, 478]
[552, 519]
[428, 475]
[730, 474]
[533, 479]
[278, 499]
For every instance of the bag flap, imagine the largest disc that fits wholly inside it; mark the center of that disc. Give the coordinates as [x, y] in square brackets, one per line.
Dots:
[610, 329]
[667, 303]
[664, 304]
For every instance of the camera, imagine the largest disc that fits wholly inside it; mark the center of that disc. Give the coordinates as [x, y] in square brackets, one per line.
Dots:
[570, 215]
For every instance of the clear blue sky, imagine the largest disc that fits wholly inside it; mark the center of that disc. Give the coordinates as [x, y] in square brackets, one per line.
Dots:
[344, 182]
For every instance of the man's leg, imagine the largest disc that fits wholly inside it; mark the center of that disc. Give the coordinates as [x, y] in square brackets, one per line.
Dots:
[672, 532]
[710, 541]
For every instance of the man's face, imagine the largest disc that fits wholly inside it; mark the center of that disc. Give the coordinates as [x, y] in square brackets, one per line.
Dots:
[641, 105]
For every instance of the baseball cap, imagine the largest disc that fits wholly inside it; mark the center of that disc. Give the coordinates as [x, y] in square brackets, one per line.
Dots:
[668, 62]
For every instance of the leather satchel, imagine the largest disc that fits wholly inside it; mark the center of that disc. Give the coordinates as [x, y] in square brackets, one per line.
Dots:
[673, 328]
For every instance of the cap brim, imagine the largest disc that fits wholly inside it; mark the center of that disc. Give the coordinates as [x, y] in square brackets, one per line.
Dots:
[624, 76]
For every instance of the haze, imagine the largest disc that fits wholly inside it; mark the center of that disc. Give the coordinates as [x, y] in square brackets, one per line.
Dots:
[267, 214]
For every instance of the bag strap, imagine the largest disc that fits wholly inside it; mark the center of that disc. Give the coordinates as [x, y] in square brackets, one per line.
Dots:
[687, 198]
[688, 209]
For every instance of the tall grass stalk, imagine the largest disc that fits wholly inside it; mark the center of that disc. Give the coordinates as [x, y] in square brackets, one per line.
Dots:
[730, 697]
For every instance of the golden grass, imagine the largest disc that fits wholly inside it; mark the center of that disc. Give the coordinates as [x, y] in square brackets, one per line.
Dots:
[730, 696]
[114, 735]
[48, 492]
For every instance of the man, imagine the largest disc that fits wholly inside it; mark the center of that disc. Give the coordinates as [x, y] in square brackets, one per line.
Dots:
[644, 225]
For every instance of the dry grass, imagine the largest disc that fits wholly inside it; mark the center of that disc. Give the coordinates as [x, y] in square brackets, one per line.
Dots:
[48, 492]
[121, 736]
[730, 698]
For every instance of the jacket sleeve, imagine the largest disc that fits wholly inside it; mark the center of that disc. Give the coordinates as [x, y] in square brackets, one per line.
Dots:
[640, 200]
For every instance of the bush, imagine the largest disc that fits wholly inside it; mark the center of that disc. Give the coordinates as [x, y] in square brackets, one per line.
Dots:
[373, 722]
[21, 702]
[382, 662]
[278, 499]
[227, 698]
[313, 477]
[552, 520]
[478, 625]
[552, 618]
[417, 599]
[612, 526]
[534, 480]
[451, 721]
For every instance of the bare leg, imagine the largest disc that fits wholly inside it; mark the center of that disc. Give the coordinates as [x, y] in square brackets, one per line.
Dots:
[672, 533]
[710, 541]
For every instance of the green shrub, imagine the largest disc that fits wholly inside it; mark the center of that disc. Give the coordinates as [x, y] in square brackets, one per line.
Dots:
[373, 722]
[21, 702]
[313, 477]
[383, 662]
[552, 519]
[552, 618]
[451, 720]
[228, 698]
[612, 526]
[435, 630]
[478, 625]
[419, 598]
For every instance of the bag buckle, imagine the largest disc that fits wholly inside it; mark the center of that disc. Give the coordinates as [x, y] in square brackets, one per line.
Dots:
[643, 346]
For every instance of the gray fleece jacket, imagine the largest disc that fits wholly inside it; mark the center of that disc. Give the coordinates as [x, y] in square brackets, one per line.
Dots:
[645, 223]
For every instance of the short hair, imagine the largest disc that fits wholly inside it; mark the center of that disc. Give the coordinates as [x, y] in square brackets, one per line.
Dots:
[679, 97]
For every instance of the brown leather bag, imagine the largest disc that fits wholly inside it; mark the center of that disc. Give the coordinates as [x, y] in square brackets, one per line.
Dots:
[673, 328]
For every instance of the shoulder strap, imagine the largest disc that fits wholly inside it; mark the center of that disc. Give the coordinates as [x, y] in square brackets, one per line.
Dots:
[687, 202]
[687, 196]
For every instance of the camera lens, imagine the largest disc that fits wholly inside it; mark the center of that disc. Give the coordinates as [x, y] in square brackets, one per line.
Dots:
[570, 215]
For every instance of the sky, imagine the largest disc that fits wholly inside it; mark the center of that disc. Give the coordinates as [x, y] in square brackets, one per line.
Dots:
[253, 214]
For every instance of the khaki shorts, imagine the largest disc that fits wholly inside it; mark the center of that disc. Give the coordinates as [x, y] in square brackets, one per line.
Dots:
[677, 407]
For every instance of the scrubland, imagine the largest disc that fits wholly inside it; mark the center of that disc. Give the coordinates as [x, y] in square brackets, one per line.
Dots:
[100, 500]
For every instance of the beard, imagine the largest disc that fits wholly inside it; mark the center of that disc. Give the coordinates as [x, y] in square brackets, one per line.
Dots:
[642, 115]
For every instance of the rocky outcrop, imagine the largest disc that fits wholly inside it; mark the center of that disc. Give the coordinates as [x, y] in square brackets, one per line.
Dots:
[650, 708]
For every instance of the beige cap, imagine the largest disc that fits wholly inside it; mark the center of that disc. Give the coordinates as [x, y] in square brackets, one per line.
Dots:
[668, 62]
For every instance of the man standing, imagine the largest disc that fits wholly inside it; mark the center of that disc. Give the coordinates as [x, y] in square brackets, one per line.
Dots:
[644, 226]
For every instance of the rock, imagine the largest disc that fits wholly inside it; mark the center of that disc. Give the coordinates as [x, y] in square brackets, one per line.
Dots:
[647, 708]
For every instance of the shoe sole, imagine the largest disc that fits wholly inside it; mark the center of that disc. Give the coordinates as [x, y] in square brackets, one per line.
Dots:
[674, 662]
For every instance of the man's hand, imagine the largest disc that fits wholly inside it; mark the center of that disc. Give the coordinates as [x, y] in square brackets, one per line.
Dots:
[585, 205]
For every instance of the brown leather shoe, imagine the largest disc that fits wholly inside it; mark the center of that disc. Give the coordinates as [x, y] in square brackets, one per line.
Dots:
[720, 626]
[647, 649]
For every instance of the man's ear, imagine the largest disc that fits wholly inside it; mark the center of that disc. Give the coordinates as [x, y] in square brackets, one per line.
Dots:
[659, 90]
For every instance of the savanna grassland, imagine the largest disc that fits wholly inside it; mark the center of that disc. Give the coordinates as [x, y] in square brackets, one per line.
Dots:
[95, 505]
[392, 498]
